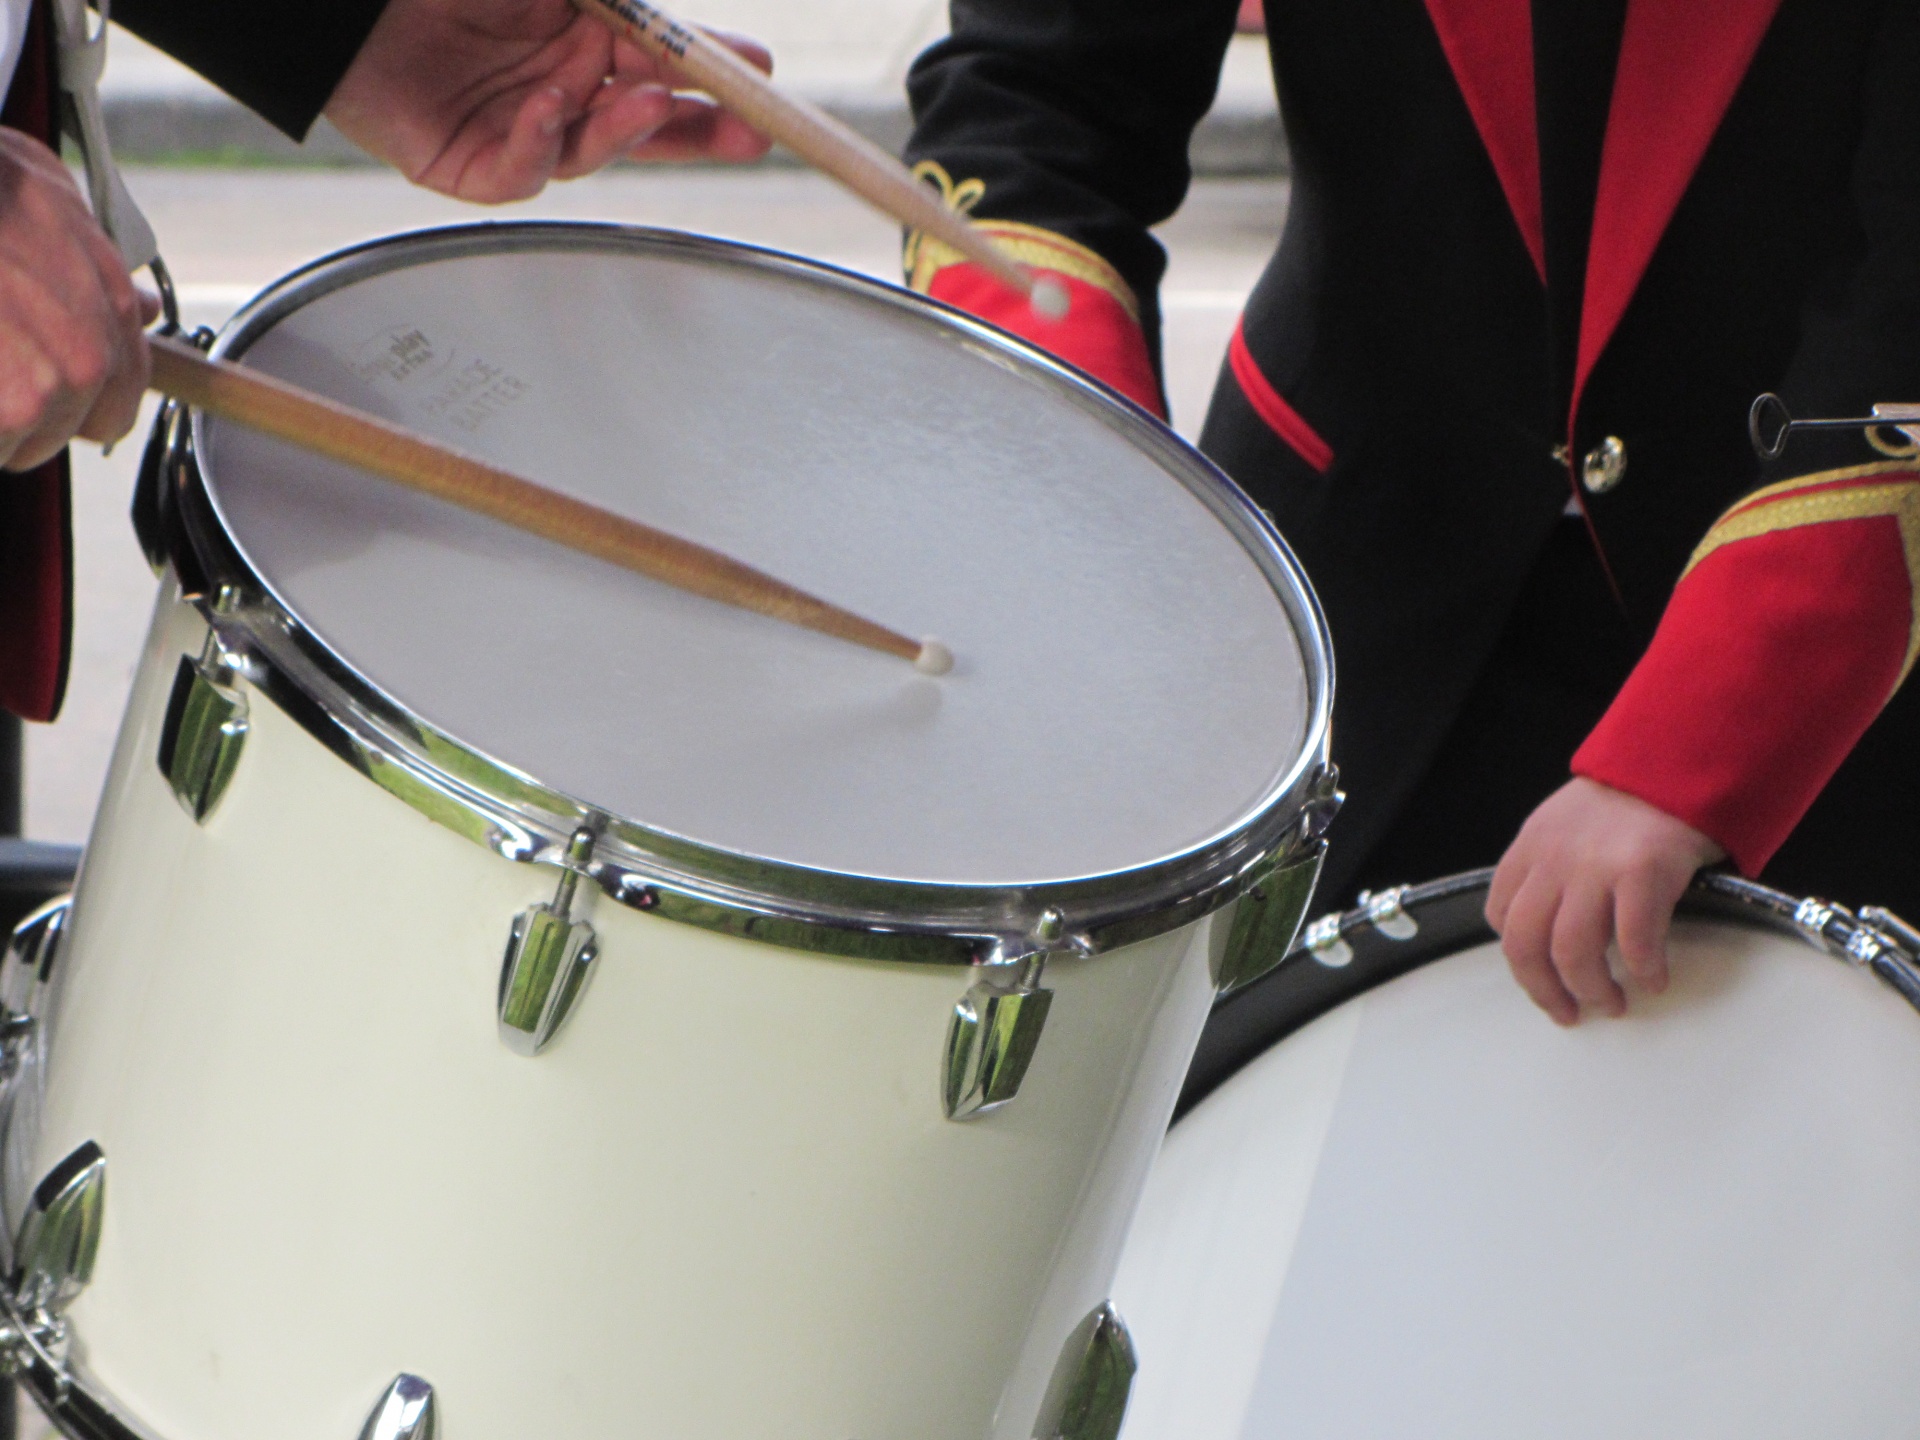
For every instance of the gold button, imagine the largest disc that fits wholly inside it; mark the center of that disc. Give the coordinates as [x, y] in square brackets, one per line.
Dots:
[1604, 466]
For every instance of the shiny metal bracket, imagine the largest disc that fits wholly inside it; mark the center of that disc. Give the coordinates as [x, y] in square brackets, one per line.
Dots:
[1267, 921]
[204, 730]
[1387, 913]
[60, 1236]
[1324, 941]
[549, 960]
[25, 970]
[405, 1412]
[53, 1261]
[996, 1028]
[1087, 1399]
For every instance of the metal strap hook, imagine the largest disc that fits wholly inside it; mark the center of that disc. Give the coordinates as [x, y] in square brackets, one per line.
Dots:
[1770, 423]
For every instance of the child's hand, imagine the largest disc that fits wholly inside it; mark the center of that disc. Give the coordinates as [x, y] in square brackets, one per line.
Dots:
[1592, 865]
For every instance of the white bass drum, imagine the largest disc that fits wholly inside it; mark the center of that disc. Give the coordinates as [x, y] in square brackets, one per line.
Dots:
[1401, 1203]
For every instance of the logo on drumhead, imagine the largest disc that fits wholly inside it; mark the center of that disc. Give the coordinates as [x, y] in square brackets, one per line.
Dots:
[400, 355]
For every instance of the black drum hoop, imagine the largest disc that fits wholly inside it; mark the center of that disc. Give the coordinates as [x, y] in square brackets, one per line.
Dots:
[1344, 955]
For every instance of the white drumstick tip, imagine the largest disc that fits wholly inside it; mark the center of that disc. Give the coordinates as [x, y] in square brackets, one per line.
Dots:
[1049, 299]
[934, 658]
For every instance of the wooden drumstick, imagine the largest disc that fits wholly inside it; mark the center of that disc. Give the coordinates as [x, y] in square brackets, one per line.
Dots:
[339, 432]
[820, 140]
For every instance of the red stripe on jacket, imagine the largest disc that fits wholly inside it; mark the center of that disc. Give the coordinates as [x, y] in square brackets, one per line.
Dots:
[1271, 406]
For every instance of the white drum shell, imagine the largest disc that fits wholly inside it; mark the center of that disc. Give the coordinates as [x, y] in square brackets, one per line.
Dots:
[1432, 1213]
[725, 1203]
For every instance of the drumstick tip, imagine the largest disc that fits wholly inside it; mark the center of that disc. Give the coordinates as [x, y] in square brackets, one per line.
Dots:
[934, 658]
[1050, 299]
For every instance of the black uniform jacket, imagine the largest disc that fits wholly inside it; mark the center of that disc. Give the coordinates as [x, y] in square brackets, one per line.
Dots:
[1733, 207]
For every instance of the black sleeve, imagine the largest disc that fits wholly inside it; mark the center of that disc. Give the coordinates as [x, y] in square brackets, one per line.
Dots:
[1860, 331]
[1076, 115]
[281, 61]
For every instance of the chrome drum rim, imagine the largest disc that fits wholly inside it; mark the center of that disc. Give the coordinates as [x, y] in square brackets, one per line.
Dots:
[518, 817]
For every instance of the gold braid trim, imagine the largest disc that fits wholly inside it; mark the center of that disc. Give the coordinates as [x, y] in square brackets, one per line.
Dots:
[926, 256]
[1794, 503]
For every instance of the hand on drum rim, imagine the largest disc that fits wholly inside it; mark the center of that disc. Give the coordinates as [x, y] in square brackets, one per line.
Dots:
[488, 100]
[72, 358]
[1592, 866]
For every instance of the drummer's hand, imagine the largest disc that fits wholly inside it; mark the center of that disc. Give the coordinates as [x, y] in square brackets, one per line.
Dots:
[488, 100]
[1592, 865]
[72, 358]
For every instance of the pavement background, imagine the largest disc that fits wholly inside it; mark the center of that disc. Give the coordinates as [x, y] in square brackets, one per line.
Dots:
[228, 232]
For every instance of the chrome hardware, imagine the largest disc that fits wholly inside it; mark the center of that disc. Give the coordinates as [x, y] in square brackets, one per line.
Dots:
[993, 1035]
[17, 1033]
[1320, 805]
[1386, 913]
[1087, 1399]
[1874, 940]
[1812, 917]
[1326, 944]
[549, 959]
[405, 1412]
[53, 1258]
[1604, 466]
[1893, 926]
[205, 726]
[24, 973]
[1268, 919]
[990, 1042]
[996, 1025]
[1770, 424]
[517, 817]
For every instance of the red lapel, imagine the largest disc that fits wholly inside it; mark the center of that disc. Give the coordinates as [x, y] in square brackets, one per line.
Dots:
[36, 569]
[1489, 44]
[1680, 63]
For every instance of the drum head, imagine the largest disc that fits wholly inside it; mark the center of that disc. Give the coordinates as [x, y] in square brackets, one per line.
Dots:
[1132, 679]
[1432, 1213]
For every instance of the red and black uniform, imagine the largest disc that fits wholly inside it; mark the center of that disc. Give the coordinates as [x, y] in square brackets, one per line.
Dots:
[282, 62]
[1527, 244]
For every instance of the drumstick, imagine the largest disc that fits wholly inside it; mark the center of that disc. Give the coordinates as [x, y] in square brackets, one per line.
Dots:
[820, 140]
[338, 432]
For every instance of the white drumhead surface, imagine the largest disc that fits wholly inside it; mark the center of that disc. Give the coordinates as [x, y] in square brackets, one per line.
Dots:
[1432, 1214]
[1128, 683]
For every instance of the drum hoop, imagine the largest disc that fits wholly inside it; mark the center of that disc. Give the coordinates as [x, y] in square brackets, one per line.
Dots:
[1343, 955]
[521, 819]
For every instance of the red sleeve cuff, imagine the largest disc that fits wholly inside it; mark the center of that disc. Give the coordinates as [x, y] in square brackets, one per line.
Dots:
[1100, 333]
[1097, 335]
[1782, 642]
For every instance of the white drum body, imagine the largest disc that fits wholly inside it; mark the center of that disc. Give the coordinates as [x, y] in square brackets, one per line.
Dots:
[1430, 1212]
[732, 1194]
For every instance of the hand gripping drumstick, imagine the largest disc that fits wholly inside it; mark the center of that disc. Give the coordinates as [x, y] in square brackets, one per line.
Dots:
[819, 139]
[329, 428]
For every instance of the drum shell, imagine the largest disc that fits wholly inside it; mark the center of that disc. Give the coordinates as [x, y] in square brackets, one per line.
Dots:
[725, 1202]
[1422, 1209]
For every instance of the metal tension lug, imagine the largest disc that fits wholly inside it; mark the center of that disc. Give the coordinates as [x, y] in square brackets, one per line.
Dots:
[405, 1412]
[204, 730]
[995, 1030]
[1088, 1397]
[549, 960]
[1267, 919]
[53, 1259]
